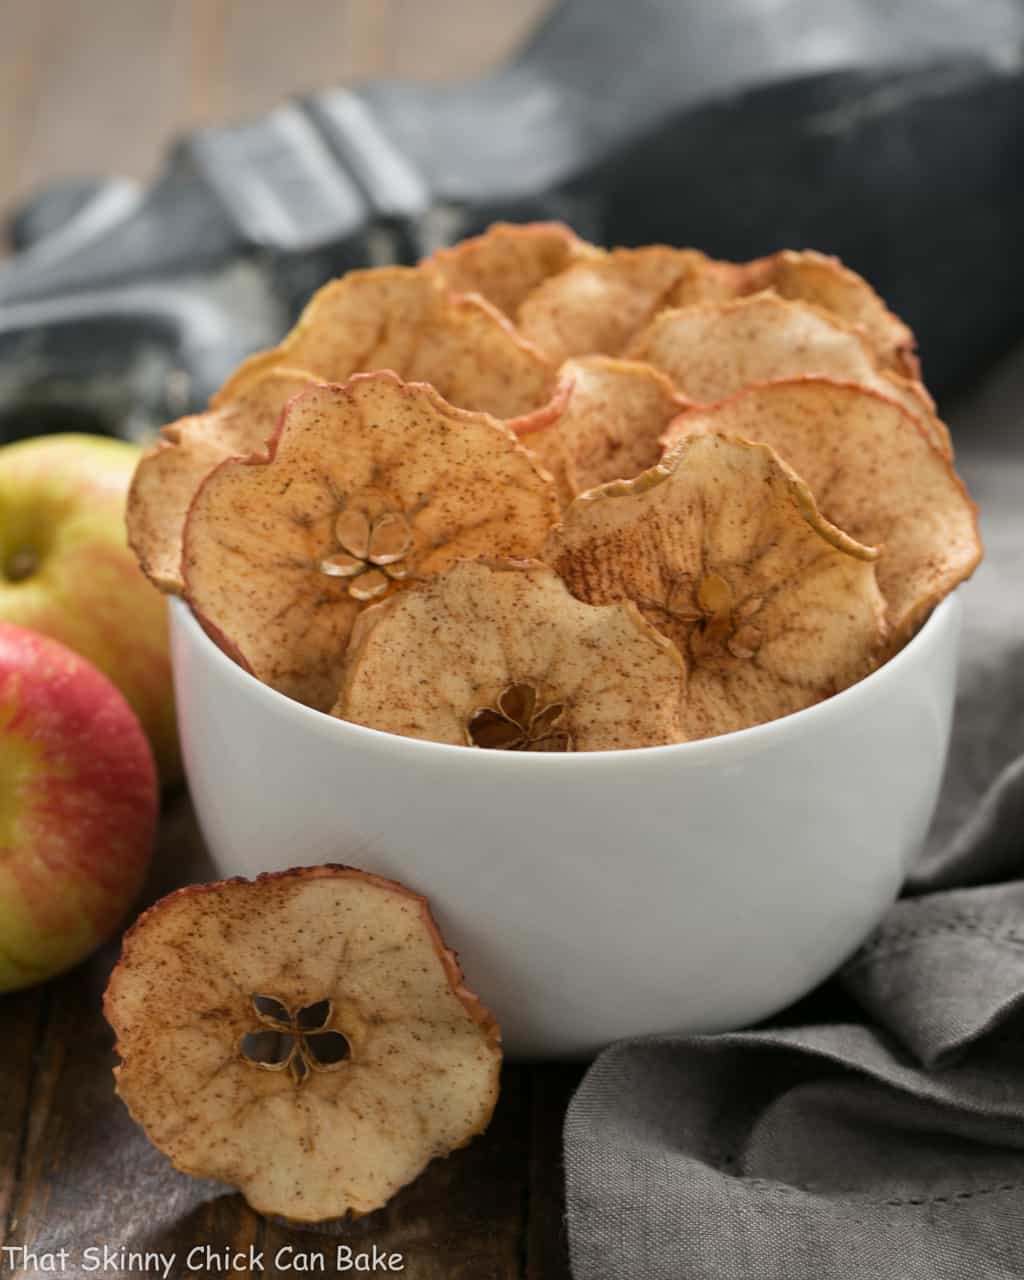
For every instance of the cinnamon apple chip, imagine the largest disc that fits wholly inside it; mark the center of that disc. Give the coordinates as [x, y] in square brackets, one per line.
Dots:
[305, 1037]
[397, 318]
[711, 350]
[597, 305]
[610, 428]
[391, 318]
[874, 471]
[365, 487]
[499, 655]
[171, 470]
[816, 277]
[508, 261]
[724, 551]
[525, 376]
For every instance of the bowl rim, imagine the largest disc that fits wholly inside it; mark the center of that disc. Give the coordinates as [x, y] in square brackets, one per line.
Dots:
[944, 619]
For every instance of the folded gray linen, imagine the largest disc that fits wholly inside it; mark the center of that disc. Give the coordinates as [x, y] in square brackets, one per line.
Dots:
[882, 1138]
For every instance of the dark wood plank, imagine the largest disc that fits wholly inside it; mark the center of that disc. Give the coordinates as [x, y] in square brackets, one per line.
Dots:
[462, 1220]
[23, 1020]
[547, 1252]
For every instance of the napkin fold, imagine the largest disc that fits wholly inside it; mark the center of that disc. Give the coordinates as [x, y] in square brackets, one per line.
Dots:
[881, 1138]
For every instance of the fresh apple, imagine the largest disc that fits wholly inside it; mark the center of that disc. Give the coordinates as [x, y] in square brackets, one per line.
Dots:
[66, 570]
[78, 804]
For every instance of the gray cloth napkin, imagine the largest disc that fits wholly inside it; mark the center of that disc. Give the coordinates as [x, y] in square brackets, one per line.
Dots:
[883, 1136]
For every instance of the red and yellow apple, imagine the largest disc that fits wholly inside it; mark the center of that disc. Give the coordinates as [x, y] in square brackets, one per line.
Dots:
[66, 570]
[78, 805]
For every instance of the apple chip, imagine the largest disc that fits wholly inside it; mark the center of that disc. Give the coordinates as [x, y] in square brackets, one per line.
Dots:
[171, 470]
[305, 1037]
[611, 425]
[711, 350]
[724, 551]
[365, 486]
[508, 261]
[499, 655]
[875, 472]
[397, 318]
[821, 279]
[597, 305]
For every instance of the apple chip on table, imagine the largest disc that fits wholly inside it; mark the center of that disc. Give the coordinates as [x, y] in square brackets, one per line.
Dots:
[366, 487]
[305, 1037]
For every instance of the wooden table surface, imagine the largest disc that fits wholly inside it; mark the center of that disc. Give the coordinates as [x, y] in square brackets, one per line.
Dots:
[93, 87]
[99, 87]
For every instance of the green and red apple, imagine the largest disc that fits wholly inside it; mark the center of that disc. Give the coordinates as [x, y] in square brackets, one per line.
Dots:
[78, 806]
[66, 570]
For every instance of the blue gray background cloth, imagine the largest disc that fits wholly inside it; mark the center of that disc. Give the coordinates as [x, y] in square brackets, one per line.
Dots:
[877, 1130]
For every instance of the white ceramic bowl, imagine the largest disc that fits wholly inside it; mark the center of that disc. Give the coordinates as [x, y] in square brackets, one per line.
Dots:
[695, 887]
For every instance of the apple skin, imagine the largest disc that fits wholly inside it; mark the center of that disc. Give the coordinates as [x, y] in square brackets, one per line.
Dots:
[78, 806]
[66, 570]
